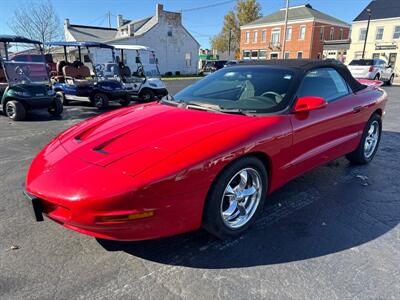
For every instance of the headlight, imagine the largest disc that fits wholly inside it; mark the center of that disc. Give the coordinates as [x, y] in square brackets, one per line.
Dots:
[50, 93]
[22, 94]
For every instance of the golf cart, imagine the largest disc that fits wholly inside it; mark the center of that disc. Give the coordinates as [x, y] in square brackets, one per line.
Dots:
[24, 84]
[93, 75]
[139, 72]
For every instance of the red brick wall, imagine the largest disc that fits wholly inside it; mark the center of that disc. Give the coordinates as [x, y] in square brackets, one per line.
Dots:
[310, 46]
[318, 44]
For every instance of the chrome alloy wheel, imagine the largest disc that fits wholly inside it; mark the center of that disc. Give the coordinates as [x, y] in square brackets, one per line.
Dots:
[10, 110]
[241, 198]
[372, 138]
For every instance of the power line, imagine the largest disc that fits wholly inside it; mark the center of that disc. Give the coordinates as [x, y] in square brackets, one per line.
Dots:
[207, 6]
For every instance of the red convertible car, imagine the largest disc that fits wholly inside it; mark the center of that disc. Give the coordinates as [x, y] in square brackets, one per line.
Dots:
[208, 157]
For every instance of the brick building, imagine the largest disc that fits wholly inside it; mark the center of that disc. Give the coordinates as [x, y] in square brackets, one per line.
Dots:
[307, 30]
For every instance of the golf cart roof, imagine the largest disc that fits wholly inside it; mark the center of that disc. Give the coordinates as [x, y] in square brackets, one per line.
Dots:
[132, 47]
[17, 39]
[80, 44]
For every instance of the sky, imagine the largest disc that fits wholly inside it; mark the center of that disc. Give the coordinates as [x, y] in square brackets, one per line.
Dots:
[202, 18]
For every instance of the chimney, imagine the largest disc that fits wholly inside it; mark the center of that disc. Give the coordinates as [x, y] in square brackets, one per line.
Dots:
[159, 9]
[66, 23]
[120, 21]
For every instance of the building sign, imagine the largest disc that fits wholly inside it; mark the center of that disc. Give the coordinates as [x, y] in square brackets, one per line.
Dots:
[385, 47]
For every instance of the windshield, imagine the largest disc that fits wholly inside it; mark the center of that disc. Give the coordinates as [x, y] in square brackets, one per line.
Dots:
[148, 66]
[104, 64]
[361, 62]
[246, 88]
[26, 72]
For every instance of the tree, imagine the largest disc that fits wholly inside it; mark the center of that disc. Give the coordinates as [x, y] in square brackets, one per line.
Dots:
[37, 21]
[245, 12]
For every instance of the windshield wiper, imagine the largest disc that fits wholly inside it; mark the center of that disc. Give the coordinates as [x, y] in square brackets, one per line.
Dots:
[214, 108]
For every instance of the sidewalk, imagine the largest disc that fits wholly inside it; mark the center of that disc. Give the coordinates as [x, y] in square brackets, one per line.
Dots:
[396, 81]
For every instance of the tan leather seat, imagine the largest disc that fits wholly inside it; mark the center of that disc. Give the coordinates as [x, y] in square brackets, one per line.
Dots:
[73, 76]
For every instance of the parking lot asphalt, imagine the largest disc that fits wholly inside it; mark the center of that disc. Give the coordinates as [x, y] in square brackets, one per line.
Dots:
[331, 234]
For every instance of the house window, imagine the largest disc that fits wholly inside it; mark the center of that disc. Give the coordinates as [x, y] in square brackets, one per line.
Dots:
[341, 34]
[263, 36]
[319, 56]
[275, 37]
[396, 34]
[274, 55]
[263, 54]
[246, 54]
[302, 34]
[288, 33]
[332, 33]
[255, 36]
[254, 54]
[188, 58]
[169, 31]
[299, 55]
[247, 37]
[321, 33]
[375, 56]
[286, 55]
[379, 33]
[363, 34]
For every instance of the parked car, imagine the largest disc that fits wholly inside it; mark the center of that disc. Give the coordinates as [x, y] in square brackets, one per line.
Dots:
[210, 156]
[25, 84]
[376, 69]
[212, 66]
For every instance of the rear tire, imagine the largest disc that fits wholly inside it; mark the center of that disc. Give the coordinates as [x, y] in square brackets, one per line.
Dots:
[100, 101]
[15, 110]
[56, 108]
[227, 212]
[369, 143]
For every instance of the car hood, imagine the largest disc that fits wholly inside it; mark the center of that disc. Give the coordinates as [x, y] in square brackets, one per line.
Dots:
[148, 132]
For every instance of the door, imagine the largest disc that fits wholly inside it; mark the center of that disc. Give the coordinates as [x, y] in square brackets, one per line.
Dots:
[327, 133]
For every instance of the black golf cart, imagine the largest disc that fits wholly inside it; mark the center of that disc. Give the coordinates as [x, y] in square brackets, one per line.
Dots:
[24, 85]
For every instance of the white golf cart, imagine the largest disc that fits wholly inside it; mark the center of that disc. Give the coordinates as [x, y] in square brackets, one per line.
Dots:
[139, 72]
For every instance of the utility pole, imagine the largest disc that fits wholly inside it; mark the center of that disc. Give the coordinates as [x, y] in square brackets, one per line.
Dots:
[229, 43]
[285, 29]
[109, 19]
[366, 34]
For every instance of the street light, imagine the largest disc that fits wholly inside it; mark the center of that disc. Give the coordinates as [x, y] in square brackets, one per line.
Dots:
[366, 34]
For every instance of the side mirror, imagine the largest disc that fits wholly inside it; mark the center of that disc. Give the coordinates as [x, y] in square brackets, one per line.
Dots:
[137, 59]
[308, 103]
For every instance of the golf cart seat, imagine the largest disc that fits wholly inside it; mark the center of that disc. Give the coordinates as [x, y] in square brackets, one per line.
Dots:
[3, 81]
[59, 70]
[76, 76]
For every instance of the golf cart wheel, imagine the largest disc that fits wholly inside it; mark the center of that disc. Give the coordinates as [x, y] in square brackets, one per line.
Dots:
[125, 102]
[390, 81]
[56, 107]
[15, 110]
[64, 100]
[147, 95]
[100, 101]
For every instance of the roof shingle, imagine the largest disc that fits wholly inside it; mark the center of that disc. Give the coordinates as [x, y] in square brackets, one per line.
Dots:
[380, 9]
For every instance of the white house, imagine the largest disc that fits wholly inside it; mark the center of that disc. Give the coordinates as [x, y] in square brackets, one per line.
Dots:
[176, 49]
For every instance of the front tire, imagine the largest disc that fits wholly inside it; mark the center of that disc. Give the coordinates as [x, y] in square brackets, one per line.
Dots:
[64, 100]
[147, 95]
[390, 81]
[235, 198]
[369, 143]
[15, 110]
[56, 108]
[100, 101]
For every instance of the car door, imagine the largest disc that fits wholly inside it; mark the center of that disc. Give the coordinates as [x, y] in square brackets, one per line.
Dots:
[327, 133]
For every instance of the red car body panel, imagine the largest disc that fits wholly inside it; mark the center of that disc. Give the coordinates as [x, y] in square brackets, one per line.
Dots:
[163, 159]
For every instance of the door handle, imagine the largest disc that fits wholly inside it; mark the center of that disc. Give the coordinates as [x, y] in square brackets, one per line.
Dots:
[357, 109]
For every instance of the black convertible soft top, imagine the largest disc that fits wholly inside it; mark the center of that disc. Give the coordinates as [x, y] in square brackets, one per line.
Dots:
[17, 39]
[305, 65]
